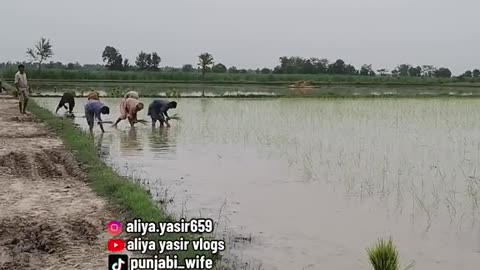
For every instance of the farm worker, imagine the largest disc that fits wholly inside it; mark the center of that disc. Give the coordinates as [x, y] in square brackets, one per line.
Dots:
[158, 109]
[23, 89]
[93, 95]
[128, 110]
[94, 109]
[67, 98]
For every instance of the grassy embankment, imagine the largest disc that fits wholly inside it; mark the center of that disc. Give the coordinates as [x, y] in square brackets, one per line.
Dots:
[226, 78]
[127, 197]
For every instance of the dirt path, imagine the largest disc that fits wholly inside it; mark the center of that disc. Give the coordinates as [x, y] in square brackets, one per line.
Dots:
[49, 217]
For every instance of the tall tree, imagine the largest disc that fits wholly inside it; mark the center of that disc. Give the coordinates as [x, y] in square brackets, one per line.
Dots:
[467, 74]
[428, 70]
[366, 70]
[476, 73]
[402, 69]
[219, 68]
[205, 60]
[443, 73]
[187, 68]
[155, 63]
[383, 71]
[41, 51]
[113, 58]
[415, 71]
[338, 67]
[141, 61]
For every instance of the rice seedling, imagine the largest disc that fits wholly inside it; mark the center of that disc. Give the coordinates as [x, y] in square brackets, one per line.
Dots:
[384, 256]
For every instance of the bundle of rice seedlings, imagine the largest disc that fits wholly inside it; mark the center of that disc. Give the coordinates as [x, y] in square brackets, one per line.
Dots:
[384, 256]
[175, 117]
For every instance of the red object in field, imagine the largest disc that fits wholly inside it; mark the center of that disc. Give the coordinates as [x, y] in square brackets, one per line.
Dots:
[116, 245]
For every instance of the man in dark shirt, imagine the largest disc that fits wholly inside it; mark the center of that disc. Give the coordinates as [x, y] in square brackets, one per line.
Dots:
[67, 98]
[158, 111]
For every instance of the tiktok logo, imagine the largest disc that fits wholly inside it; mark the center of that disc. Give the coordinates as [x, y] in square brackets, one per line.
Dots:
[118, 262]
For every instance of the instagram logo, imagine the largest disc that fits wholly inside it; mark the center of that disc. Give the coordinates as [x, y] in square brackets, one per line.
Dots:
[114, 228]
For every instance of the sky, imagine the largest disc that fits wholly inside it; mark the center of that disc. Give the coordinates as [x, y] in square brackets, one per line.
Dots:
[249, 33]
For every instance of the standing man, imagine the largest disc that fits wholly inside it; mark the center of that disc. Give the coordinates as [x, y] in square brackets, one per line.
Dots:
[67, 98]
[158, 109]
[23, 89]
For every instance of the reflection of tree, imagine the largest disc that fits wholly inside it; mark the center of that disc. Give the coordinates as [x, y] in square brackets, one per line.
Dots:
[160, 140]
[204, 102]
[129, 142]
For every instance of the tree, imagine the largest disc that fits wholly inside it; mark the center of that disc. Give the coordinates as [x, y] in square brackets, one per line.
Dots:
[155, 62]
[308, 67]
[233, 70]
[148, 61]
[428, 70]
[366, 70]
[383, 71]
[265, 71]
[337, 68]
[402, 69]
[187, 68]
[476, 73]
[415, 71]
[141, 61]
[219, 68]
[126, 64]
[443, 73]
[467, 74]
[205, 60]
[40, 52]
[113, 58]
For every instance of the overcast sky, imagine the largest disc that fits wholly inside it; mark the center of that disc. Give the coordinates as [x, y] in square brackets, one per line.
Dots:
[249, 33]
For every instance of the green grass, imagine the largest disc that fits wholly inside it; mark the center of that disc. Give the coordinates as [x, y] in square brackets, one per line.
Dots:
[227, 78]
[130, 199]
[384, 256]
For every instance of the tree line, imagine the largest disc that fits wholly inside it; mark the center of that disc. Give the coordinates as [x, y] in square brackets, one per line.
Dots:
[150, 61]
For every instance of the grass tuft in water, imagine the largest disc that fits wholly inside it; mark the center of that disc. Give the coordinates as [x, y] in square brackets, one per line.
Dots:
[384, 256]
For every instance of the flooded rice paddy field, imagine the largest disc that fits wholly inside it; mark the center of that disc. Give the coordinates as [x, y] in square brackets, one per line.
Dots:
[152, 89]
[314, 182]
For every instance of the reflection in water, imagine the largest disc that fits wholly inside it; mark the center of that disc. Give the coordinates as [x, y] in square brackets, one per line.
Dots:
[103, 148]
[130, 144]
[160, 141]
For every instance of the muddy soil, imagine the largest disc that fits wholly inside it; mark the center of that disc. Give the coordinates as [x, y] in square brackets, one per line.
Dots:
[49, 217]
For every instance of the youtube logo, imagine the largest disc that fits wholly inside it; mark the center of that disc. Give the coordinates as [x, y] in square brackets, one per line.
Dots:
[116, 245]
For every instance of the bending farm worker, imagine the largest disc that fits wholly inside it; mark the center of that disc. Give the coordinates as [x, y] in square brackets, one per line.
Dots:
[94, 109]
[128, 110]
[23, 89]
[67, 98]
[158, 111]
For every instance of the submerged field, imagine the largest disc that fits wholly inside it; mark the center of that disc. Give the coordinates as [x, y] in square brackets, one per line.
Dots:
[156, 89]
[310, 183]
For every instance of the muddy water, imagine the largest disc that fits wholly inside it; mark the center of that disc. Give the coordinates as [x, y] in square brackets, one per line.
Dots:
[316, 181]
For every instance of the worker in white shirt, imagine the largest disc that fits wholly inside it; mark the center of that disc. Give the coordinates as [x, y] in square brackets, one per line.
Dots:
[23, 89]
